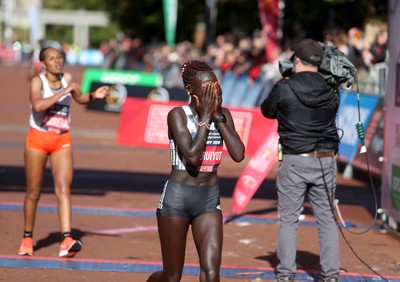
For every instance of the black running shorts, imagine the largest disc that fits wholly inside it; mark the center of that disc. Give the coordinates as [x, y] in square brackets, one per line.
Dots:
[181, 200]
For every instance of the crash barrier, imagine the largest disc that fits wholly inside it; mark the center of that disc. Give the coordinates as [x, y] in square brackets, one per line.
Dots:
[139, 116]
[237, 91]
[143, 123]
[243, 91]
[366, 110]
[126, 84]
[149, 86]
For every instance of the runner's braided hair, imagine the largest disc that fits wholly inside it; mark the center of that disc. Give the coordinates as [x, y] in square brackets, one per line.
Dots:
[190, 69]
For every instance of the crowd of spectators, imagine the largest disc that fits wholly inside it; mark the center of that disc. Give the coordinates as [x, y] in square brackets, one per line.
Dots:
[244, 56]
[234, 53]
[241, 57]
[367, 49]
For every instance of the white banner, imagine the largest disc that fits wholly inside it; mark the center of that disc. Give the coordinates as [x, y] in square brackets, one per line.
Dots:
[33, 8]
[391, 169]
[34, 17]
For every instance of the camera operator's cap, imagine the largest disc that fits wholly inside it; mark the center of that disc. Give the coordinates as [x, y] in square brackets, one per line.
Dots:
[309, 50]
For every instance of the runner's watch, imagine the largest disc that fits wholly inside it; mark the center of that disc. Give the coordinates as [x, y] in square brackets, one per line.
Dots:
[221, 118]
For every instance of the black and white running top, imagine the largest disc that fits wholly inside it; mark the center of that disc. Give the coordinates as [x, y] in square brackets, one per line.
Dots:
[212, 154]
[55, 119]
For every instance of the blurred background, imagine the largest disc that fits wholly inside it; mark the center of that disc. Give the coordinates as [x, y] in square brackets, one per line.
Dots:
[138, 47]
[124, 42]
[238, 36]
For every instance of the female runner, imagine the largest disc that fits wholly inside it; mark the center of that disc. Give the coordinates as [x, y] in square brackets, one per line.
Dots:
[51, 93]
[191, 194]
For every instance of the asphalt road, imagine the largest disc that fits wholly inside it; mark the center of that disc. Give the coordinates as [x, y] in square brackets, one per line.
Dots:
[115, 191]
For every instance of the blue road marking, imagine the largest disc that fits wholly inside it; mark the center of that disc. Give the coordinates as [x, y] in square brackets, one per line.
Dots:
[149, 267]
[143, 213]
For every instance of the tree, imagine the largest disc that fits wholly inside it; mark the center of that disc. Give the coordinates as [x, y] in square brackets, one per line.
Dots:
[145, 19]
[98, 35]
[313, 16]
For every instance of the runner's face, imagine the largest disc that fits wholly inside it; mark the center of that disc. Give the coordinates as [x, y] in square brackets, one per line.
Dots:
[53, 60]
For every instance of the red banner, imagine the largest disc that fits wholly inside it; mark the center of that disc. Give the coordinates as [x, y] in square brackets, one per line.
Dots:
[256, 171]
[270, 16]
[144, 123]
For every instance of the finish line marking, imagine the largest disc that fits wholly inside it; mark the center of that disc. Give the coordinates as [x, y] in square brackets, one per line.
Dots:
[149, 267]
[118, 231]
[12, 206]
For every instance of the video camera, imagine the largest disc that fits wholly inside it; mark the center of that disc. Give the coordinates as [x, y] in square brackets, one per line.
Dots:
[335, 67]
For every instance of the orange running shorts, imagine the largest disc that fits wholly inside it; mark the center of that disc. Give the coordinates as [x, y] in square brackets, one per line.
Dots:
[48, 142]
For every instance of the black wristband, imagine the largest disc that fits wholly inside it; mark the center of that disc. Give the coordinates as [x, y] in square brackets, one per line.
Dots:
[221, 118]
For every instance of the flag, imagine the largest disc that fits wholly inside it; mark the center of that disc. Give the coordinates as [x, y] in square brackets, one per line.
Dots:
[255, 172]
[170, 19]
[270, 15]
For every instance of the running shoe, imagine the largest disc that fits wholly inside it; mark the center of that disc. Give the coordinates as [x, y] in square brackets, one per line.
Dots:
[69, 247]
[26, 248]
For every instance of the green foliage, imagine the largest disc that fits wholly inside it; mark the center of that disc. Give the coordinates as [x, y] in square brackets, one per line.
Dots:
[97, 36]
[145, 19]
[239, 16]
[139, 18]
[96, 5]
[60, 33]
[313, 16]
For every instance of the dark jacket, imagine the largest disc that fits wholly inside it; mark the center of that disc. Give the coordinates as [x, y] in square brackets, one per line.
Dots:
[305, 107]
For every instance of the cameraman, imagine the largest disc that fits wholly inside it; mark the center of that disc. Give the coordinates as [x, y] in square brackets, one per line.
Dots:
[305, 107]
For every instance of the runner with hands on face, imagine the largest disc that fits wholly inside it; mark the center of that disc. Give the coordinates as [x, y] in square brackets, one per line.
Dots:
[191, 194]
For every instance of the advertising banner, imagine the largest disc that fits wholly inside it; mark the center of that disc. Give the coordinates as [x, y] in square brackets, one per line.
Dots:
[143, 123]
[119, 77]
[127, 84]
[374, 143]
[255, 172]
[391, 169]
[348, 118]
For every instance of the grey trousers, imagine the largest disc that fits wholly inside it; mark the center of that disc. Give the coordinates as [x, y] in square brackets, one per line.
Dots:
[315, 177]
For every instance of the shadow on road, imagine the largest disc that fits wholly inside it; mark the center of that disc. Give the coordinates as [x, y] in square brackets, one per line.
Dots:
[95, 182]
